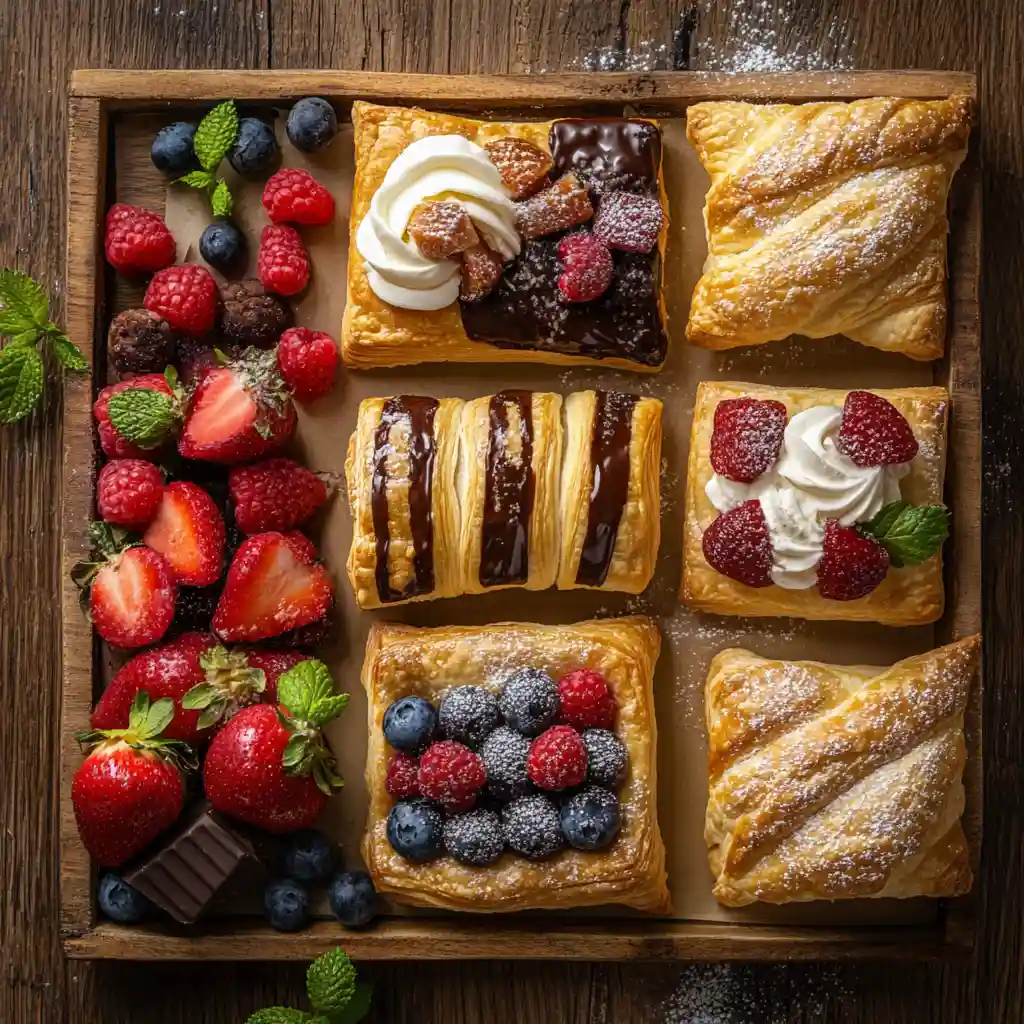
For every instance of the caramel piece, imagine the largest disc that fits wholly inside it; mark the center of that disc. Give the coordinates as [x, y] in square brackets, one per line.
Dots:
[481, 270]
[523, 166]
[442, 229]
[564, 205]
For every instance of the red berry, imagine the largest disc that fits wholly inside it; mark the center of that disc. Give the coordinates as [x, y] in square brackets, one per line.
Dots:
[137, 240]
[874, 432]
[747, 437]
[186, 297]
[851, 565]
[277, 494]
[402, 776]
[132, 598]
[739, 546]
[274, 665]
[629, 221]
[451, 774]
[557, 759]
[283, 264]
[113, 444]
[128, 492]
[588, 267]
[295, 196]
[308, 361]
[189, 532]
[585, 700]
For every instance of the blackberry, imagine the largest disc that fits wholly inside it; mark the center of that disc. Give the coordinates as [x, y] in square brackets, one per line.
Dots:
[468, 714]
[250, 315]
[529, 701]
[255, 150]
[194, 608]
[409, 724]
[532, 827]
[606, 757]
[474, 837]
[223, 246]
[172, 150]
[311, 124]
[414, 830]
[140, 342]
[591, 818]
[504, 756]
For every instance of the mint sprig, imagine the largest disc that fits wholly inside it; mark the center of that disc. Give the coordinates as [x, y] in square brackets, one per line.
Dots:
[910, 534]
[306, 699]
[214, 138]
[335, 993]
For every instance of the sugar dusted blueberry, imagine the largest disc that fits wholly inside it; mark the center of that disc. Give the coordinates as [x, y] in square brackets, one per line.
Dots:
[529, 701]
[475, 837]
[532, 827]
[468, 714]
[591, 818]
[606, 757]
[504, 755]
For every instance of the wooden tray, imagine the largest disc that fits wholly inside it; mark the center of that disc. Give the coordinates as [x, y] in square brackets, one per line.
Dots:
[105, 105]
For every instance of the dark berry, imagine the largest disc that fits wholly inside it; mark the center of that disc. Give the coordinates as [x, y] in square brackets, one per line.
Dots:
[606, 757]
[120, 901]
[532, 827]
[140, 342]
[353, 898]
[468, 714]
[286, 903]
[414, 830]
[474, 837]
[223, 246]
[312, 124]
[409, 724]
[250, 315]
[529, 701]
[591, 818]
[172, 150]
[255, 148]
[504, 756]
[309, 856]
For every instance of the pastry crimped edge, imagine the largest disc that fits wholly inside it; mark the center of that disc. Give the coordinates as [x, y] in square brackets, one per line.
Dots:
[837, 782]
[639, 535]
[911, 596]
[374, 333]
[404, 659]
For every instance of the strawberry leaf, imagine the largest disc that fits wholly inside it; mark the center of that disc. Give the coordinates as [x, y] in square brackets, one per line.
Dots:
[202, 695]
[142, 416]
[23, 303]
[110, 540]
[298, 755]
[216, 134]
[147, 721]
[21, 381]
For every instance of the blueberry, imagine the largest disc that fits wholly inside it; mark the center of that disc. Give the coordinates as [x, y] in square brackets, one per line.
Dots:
[414, 829]
[353, 898]
[255, 150]
[606, 757]
[409, 724]
[469, 714]
[529, 701]
[120, 901]
[591, 818]
[312, 124]
[504, 756]
[475, 837]
[223, 246]
[172, 150]
[309, 856]
[532, 827]
[287, 905]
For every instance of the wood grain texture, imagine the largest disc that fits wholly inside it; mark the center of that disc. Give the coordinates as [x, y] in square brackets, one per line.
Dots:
[44, 41]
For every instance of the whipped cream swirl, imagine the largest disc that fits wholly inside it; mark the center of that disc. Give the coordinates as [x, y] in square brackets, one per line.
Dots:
[811, 481]
[434, 167]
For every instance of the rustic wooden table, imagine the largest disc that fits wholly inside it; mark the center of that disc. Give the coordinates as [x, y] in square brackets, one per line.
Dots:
[45, 41]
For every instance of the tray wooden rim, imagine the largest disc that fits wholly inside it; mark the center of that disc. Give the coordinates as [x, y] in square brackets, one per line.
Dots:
[94, 96]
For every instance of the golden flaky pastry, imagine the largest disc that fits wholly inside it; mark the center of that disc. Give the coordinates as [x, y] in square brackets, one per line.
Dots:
[833, 782]
[827, 218]
[910, 596]
[403, 660]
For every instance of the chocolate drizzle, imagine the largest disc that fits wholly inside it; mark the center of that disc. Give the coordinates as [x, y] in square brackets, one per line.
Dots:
[508, 494]
[609, 460]
[420, 413]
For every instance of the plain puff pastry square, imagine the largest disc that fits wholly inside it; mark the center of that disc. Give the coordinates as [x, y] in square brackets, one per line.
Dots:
[827, 218]
[402, 660]
[833, 782]
[911, 596]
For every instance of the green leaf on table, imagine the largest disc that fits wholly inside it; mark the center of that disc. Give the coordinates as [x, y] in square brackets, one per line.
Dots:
[216, 134]
[142, 416]
[221, 202]
[21, 381]
[358, 1008]
[68, 354]
[23, 303]
[909, 533]
[278, 1015]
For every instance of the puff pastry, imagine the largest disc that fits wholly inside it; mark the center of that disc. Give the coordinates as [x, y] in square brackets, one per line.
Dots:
[628, 335]
[402, 660]
[833, 782]
[827, 218]
[909, 596]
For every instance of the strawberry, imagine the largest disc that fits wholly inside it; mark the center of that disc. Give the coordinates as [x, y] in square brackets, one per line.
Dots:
[233, 680]
[130, 788]
[747, 437]
[160, 420]
[874, 432]
[738, 545]
[239, 412]
[276, 494]
[188, 530]
[273, 586]
[270, 767]
[852, 564]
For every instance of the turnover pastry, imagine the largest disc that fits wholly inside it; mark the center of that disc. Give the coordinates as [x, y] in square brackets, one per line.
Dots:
[827, 218]
[832, 782]
[513, 766]
[816, 503]
[487, 241]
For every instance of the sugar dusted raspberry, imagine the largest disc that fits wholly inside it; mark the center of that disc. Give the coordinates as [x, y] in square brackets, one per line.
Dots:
[588, 267]
[283, 263]
[737, 544]
[137, 240]
[557, 759]
[186, 297]
[442, 229]
[747, 437]
[481, 271]
[523, 167]
[874, 432]
[585, 700]
[563, 205]
[295, 196]
[308, 361]
[128, 492]
[451, 774]
[629, 221]
[402, 776]
[851, 565]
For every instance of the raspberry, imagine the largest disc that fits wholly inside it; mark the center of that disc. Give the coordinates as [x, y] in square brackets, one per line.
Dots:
[297, 197]
[585, 701]
[128, 492]
[186, 297]
[738, 545]
[451, 774]
[557, 759]
[137, 240]
[401, 780]
[874, 432]
[113, 444]
[588, 267]
[747, 437]
[283, 264]
[851, 565]
[277, 494]
[628, 221]
[308, 361]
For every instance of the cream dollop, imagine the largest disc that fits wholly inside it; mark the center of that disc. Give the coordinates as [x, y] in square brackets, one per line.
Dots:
[434, 167]
[811, 481]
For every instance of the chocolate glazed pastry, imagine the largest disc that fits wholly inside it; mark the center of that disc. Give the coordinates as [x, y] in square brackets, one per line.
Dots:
[420, 413]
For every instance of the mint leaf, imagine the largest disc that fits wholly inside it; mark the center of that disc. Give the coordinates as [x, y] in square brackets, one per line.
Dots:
[331, 982]
[196, 179]
[142, 416]
[358, 1008]
[879, 526]
[68, 354]
[21, 381]
[216, 134]
[278, 1015]
[23, 303]
[221, 202]
[307, 691]
[912, 535]
[29, 337]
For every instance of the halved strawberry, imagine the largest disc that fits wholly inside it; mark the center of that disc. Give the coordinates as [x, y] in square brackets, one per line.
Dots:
[188, 530]
[739, 546]
[747, 437]
[851, 565]
[874, 432]
[273, 586]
